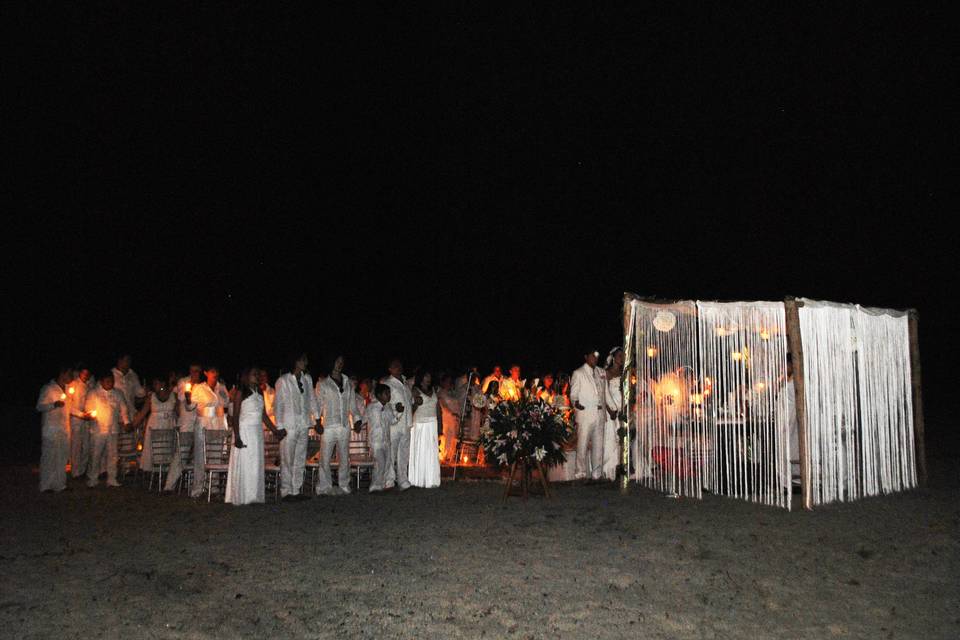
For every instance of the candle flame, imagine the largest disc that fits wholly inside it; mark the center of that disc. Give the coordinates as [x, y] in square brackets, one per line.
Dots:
[93, 414]
[63, 396]
[187, 387]
[71, 390]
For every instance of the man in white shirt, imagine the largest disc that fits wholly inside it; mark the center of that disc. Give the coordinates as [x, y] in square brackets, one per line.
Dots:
[402, 399]
[337, 402]
[108, 408]
[79, 425]
[127, 382]
[587, 394]
[296, 409]
[55, 427]
[207, 401]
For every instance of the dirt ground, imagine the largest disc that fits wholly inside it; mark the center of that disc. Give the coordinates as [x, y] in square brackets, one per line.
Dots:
[457, 563]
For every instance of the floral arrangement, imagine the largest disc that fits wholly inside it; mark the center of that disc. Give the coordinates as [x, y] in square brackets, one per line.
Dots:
[526, 428]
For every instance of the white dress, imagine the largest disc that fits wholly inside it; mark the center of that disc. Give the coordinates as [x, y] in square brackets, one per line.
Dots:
[424, 449]
[161, 417]
[245, 481]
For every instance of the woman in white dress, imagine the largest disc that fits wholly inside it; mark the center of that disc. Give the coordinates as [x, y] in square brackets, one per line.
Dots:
[245, 480]
[424, 447]
[159, 410]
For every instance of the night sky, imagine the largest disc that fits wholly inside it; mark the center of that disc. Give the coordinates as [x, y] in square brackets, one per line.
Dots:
[460, 184]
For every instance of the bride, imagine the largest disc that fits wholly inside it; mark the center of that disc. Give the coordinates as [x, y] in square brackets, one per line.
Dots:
[245, 479]
[424, 449]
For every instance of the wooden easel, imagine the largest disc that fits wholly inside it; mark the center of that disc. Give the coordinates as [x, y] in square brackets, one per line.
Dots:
[525, 468]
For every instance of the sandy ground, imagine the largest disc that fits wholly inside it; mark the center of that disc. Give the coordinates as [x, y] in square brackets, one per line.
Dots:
[457, 563]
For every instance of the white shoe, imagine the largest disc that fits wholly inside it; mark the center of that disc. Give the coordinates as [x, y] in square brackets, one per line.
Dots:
[345, 490]
[404, 487]
[374, 489]
[388, 486]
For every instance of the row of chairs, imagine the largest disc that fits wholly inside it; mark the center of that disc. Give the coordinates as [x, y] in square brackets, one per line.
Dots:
[166, 444]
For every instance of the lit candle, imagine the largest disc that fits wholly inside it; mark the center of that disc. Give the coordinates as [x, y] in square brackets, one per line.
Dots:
[63, 397]
[93, 414]
[651, 352]
[737, 356]
[187, 387]
[71, 390]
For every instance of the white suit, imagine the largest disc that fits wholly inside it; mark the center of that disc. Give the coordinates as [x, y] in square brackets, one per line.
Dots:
[337, 411]
[111, 408]
[55, 437]
[295, 406]
[587, 388]
[79, 428]
[611, 443]
[208, 405]
[399, 433]
[128, 384]
[379, 419]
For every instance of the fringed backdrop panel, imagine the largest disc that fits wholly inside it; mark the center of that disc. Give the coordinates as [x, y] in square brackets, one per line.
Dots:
[858, 400]
[743, 362]
[670, 437]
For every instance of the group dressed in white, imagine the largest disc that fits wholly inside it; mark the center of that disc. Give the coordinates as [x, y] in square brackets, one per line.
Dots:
[407, 427]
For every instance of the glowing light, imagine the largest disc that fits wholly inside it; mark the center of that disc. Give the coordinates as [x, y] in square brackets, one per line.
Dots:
[760, 386]
[71, 390]
[187, 387]
[651, 352]
[466, 459]
[633, 379]
[63, 396]
[93, 414]
[696, 398]
[737, 356]
[764, 334]
[139, 446]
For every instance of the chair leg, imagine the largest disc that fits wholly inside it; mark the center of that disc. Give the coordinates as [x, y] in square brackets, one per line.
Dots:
[209, 486]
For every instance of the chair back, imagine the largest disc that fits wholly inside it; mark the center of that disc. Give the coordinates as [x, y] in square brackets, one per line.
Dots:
[127, 444]
[360, 446]
[162, 442]
[185, 444]
[271, 449]
[216, 445]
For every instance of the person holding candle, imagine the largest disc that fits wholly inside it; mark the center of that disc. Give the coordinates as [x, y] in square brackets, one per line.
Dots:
[586, 389]
[208, 400]
[511, 387]
[451, 404]
[245, 479]
[296, 410]
[79, 424]
[402, 398]
[52, 404]
[108, 407]
[337, 403]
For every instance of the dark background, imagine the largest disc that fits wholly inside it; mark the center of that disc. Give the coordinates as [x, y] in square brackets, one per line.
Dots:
[460, 184]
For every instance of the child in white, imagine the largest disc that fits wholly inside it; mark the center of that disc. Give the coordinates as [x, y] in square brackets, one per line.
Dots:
[379, 418]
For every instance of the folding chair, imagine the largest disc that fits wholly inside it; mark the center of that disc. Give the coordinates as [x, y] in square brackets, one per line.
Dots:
[127, 454]
[314, 447]
[216, 455]
[185, 450]
[361, 457]
[271, 463]
[162, 443]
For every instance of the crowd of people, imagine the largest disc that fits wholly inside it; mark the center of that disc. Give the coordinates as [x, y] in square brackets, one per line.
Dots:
[410, 425]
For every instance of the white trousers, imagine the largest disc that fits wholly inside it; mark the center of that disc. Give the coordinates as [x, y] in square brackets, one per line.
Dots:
[103, 457]
[399, 457]
[54, 452]
[293, 460]
[199, 461]
[589, 436]
[334, 438]
[79, 446]
[611, 449]
[380, 448]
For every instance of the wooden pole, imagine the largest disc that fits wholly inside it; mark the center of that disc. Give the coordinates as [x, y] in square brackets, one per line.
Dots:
[916, 384]
[795, 344]
[623, 420]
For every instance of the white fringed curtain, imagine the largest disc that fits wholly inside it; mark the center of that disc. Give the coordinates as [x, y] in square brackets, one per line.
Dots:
[743, 361]
[858, 400]
[670, 439]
